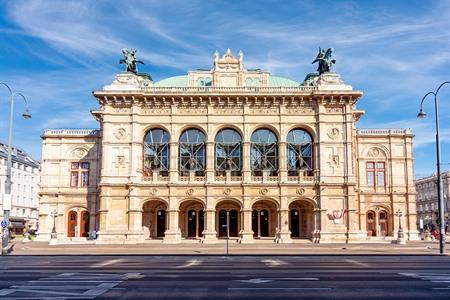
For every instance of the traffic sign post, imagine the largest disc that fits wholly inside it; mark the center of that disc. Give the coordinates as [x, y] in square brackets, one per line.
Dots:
[4, 224]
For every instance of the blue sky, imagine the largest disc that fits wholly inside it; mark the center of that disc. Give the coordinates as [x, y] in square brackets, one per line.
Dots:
[57, 52]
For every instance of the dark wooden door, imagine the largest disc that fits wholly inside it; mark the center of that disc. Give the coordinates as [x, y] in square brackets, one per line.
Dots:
[84, 224]
[255, 222]
[192, 223]
[71, 223]
[201, 222]
[160, 223]
[295, 223]
[371, 226]
[234, 230]
[264, 222]
[383, 223]
[222, 223]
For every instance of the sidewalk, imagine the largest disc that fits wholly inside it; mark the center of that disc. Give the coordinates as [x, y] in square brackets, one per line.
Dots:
[43, 248]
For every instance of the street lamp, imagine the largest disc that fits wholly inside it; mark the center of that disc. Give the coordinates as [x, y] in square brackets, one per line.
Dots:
[422, 115]
[8, 183]
[54, 235]
[400, 235]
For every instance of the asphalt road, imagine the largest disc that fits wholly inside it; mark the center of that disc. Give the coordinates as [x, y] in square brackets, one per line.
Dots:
[222, 277]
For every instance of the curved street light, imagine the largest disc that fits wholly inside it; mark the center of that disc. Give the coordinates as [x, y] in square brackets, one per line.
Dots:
[422, 115]
[7, 195]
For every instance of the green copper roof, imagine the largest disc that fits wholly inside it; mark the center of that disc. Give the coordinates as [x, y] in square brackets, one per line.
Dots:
[281, 81]
[182, 81]
[175, 81]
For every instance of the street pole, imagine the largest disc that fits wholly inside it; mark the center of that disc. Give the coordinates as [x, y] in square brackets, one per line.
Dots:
[7, 201]
[228, 229]
[438, 167]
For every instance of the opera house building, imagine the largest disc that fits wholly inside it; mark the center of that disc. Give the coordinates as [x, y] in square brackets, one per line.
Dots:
[227, 151]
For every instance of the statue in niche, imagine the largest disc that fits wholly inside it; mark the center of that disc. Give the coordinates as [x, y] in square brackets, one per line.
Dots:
[325, 61]
[130, 60]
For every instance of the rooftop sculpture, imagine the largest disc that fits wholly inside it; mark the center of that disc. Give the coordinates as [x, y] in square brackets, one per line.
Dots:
[130, 60]
[325, 61]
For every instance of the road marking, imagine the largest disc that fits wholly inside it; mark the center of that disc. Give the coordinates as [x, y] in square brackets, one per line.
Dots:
[278, 288]
[107, 263]
[352, 261]
[431, 277]
[263, 280]
[190, 263]
[273, 262]
[447, 288]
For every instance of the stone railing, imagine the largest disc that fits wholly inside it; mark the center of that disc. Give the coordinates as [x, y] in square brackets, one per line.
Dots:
[300, 179]
[228, 90]
[71, 132]
[375, 131]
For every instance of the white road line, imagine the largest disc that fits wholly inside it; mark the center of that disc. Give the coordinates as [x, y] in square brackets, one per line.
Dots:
[190, 263]
[46, 292]
[100, 289]
[107, 263]
[280, 288]
[352, 261]
[447, 288]
[273, 262]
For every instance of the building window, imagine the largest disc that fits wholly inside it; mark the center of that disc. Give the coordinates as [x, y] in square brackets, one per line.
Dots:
[376, 174]
[228, 152]
[299, 152]
[79, 174]
[156, 152]
[264, 152]
[192, 152]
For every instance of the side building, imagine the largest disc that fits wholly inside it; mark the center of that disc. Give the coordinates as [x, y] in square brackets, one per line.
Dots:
[273, 158]
[427, 200]
[24, 190]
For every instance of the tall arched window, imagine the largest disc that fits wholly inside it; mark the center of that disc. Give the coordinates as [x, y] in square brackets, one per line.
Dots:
[264, 152]
[228, 152]
[299, 152]
[156, 152]
[192, 152]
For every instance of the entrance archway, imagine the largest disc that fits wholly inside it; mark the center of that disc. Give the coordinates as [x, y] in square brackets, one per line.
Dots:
[228, 212]
[301, 219]
[192, 219]
[264, 219]
[72, 221]
[154, 222]
[377, 223]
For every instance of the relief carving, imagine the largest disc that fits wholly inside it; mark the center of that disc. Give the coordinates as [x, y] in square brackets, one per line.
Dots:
[294, 110]
[333, 133]
[79, 153]
[373, 152]
[264, 110]
[120, 134]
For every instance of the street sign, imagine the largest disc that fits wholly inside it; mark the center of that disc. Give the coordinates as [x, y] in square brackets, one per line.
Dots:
[4, 223]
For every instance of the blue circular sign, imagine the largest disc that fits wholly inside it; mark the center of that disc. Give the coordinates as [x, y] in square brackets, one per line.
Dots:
[4, 224]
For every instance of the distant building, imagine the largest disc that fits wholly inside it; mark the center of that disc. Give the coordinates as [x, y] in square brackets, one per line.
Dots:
[427, 201]
[25, 188]
[267, 156]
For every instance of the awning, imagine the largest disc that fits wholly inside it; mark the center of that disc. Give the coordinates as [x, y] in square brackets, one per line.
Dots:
[18, 224]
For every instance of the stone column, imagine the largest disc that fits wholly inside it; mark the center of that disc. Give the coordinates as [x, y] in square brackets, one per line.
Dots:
[134, 226]
[173, 169]
[246, 234]
[210, 161]
[282, 161]
[173, 234]
[210, 234]
[246, 169]
[285, 233]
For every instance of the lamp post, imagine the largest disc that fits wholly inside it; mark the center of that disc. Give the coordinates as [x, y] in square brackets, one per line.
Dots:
[400, 235]
[7, 195]
[54, 235]
[422, 115]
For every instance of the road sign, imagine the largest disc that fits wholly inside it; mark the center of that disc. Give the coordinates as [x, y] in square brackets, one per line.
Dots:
[4, 223]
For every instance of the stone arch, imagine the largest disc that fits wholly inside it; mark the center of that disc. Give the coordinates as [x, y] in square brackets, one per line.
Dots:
[148, 199]
[301, 218]
[305, 127]
[378, 151]
[228, 213]
[75, 224]
[269, 199]
[381, 226]
[191, 217]
[265, 217]
[225, 126]
[270, 127]
[229, 199]
[306, 199]
[187, 199]
[154, 217]
[177, 134]
[147, 128]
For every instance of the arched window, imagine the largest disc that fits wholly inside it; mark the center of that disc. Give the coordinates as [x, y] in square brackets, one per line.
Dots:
[264, 152]
[299, 152]
[156, 152]
[192, 152]
[228, 152]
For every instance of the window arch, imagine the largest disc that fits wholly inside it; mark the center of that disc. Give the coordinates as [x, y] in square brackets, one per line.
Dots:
[228, 152]
[264, 152]
[299, 152]
[156, 152]
[192, 152]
